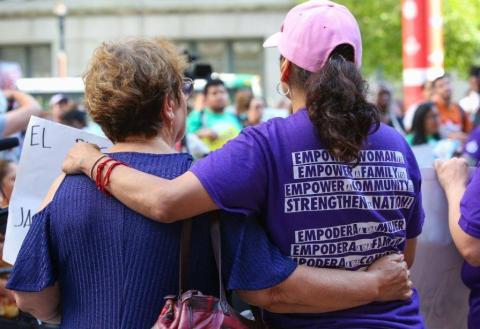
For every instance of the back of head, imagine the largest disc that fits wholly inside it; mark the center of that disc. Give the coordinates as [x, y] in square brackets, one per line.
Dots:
[127, 83]
[337, 105]
[322, 40]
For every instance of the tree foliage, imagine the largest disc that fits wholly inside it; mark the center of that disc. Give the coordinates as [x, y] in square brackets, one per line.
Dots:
[380, 22]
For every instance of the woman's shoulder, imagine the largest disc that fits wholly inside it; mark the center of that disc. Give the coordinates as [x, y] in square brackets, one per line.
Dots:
[163, 165]
[388, 136]
[389, 139]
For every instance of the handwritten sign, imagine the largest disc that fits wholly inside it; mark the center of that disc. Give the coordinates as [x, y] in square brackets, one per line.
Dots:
[437, 268]
[44, 149]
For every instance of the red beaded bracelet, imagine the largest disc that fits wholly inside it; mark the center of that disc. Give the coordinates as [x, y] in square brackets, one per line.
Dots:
[98, 178]
[106, 179]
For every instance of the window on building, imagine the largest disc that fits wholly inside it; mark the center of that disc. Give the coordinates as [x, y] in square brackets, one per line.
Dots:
[228, 56]
[35, 60]
[248, 57]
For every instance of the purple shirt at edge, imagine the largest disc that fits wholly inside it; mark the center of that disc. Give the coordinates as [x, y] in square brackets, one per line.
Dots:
[320, 211]
[470, 223]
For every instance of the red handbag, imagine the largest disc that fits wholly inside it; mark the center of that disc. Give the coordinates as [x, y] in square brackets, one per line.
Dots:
[192, 309]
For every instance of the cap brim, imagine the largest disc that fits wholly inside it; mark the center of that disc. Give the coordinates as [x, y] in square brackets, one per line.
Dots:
[273, 40]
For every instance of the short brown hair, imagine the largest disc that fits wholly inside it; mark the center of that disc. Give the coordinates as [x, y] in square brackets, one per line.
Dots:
[126, 84]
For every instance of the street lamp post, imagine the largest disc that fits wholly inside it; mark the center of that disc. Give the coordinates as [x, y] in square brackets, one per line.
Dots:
[60, 10]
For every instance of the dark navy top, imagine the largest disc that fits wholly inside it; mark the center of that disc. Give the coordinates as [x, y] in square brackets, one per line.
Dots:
[114, 266]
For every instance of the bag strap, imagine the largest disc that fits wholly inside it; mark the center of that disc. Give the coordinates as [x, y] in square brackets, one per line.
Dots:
[258, 315]
[185, 238]
[217, 251]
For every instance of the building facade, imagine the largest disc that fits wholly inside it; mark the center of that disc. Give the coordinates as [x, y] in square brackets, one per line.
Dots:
[226, 34]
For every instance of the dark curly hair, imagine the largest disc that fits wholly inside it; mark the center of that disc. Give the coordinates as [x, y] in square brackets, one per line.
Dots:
[127, 82]
[337, 104]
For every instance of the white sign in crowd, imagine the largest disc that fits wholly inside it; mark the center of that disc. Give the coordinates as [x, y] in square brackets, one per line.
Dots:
[44, 149]
[436, 272]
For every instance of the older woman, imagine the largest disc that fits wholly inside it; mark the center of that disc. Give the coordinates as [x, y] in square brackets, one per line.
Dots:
[91, 262]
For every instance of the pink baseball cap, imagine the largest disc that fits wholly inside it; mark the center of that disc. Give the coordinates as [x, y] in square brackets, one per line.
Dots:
[312, 30]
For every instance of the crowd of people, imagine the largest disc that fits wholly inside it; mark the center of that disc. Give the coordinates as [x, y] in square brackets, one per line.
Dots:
[306, 237]
[437, 127]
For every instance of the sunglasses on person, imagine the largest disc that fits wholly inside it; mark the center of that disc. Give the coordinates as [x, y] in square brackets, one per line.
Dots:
[187, 87]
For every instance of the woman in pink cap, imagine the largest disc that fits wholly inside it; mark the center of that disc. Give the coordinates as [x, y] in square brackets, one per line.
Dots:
[335, 187]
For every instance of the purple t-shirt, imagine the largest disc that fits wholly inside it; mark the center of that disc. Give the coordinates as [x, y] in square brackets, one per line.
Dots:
[322, 212]
[470, 223]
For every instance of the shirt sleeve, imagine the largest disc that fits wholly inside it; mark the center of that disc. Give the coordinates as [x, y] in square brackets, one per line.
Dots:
[470, 207]
[251, 261]
[34, 269]
[194, 121]
[236, 176]
[417, 214]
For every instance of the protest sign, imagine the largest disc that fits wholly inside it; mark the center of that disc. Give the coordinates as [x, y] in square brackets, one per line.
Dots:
[44, 149]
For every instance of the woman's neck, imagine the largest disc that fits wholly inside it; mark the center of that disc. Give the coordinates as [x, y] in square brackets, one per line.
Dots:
[141, 144]
[298, 99]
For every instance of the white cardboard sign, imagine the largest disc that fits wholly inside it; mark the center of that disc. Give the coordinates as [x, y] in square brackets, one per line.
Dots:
[44, 149]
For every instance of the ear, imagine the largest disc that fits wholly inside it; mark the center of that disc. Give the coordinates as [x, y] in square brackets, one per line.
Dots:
[285, 67]
[168, 110]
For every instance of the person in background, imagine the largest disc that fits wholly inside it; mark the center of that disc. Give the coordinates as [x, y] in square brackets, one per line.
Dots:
[410, 113]
[74, 117]
[17, 119]
[8, 174]
[464, 223]
[212, 124]
[391, 112]
[59, 104]
[243, 98]
[454, 122]
[425, 126]
[255, 111]
[10, 72]
[471, 102]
